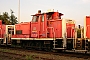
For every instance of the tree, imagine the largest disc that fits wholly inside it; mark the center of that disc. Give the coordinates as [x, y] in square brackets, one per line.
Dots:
[6, 19]
[79, 30]
[78, 33]
[13, 19]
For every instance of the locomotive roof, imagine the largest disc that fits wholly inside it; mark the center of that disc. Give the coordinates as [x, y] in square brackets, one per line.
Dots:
[36, 14]
[45, 13]
[53, 12]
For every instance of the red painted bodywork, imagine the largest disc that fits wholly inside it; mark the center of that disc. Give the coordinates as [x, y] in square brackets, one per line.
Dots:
[70, 30]
[25, 28]
[55, 28]
[34, 29]
[38, 29]
[87, 26]
[2, 29]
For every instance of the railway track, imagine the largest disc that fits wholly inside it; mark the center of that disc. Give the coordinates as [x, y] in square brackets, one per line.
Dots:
[66, 54]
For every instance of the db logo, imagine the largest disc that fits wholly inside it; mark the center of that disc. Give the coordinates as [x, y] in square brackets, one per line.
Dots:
[34, 28]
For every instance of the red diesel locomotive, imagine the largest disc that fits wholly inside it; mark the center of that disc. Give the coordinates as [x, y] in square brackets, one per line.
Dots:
[46, 31]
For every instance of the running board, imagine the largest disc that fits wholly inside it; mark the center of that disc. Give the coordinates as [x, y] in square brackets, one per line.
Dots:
[5, 44]
[80, 50]
[59, 48]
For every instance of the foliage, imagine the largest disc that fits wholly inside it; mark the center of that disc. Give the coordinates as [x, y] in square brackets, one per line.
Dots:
[29, 57]
[79, 33]
[13, 19]
[6, 19]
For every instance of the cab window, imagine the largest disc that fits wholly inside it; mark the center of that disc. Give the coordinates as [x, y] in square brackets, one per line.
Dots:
[42, 18]
[35, 18]
[49, 16]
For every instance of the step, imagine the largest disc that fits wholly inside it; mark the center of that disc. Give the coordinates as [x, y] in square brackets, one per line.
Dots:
[78, 42]
[55, 44]
[80, 50]
[78, 46]
[59, 48]
[54, 41]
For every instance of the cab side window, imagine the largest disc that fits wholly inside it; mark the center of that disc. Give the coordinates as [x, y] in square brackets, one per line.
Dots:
[35, 18]
[50, 16]
[42, 18]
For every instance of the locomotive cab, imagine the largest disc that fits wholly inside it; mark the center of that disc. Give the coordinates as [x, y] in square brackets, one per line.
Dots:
[37, 25]
[46, 26]
[43, 25]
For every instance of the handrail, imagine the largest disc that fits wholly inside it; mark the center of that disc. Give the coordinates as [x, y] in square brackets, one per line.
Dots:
[54, 37]
[53, 34]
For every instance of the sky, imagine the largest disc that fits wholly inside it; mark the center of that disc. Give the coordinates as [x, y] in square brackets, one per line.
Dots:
[72, 9]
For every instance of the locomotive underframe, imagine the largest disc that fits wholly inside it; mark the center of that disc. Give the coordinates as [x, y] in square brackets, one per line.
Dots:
[48, 44]
[69, 44]
[39, 44]
[78, 44]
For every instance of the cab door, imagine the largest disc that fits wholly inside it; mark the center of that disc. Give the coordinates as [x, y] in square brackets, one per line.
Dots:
[35, 27]
[10, 30]
[42, 27]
